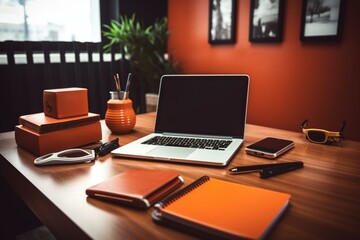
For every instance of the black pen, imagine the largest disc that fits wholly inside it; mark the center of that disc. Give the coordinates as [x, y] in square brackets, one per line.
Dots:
[270, 172]
[258, 167]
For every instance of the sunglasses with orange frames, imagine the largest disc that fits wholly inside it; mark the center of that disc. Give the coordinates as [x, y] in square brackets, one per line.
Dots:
[316, 135]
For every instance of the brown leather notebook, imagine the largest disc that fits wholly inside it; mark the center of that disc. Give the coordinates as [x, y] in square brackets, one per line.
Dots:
[136, 187]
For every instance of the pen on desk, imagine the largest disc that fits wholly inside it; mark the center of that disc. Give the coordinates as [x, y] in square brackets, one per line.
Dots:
[127, 85]
[270, 172]
[255, 168]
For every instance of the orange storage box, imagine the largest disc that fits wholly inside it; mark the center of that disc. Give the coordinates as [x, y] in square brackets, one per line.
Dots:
[65, 102]
[40, 144]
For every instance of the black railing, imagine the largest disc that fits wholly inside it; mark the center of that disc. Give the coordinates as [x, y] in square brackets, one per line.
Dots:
[31, 67]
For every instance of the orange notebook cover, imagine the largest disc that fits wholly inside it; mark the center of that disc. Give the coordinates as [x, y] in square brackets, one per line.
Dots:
[137, 188]
[41, 123]
[41, 144]
[222, 209]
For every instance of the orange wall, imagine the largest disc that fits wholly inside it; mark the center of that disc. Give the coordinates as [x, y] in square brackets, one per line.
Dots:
[290, 81]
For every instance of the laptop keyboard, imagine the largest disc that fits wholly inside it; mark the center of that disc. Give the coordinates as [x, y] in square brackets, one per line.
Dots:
[201, 143]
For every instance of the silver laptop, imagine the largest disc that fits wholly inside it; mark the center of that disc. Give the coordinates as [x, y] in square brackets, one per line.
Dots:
[200, 119]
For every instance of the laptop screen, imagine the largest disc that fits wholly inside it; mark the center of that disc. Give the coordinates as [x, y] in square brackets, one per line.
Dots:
[203, 104]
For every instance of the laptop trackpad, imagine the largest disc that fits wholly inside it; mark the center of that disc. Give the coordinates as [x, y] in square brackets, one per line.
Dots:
[171, 152]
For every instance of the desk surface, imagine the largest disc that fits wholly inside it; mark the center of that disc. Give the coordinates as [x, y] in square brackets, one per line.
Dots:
[325, 201]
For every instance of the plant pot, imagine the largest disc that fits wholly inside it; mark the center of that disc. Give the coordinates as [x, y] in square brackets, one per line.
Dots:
[151, 100]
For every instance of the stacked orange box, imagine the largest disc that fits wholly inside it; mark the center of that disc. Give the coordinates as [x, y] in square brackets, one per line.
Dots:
[65, 123]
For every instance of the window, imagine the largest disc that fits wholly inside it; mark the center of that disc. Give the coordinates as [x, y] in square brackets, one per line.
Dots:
[50, 20]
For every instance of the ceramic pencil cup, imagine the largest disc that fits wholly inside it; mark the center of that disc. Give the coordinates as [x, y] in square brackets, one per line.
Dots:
[120, 116]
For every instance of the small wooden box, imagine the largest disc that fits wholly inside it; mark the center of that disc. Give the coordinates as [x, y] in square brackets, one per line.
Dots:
[65, 102]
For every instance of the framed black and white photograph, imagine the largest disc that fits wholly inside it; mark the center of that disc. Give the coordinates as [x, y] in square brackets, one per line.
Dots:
[222, 18]
[266, 20]
[322, 20]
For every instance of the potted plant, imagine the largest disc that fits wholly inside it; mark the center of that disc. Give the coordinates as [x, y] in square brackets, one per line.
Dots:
[145, 48]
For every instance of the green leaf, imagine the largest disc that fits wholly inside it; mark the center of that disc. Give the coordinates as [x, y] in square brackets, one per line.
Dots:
[145, 46]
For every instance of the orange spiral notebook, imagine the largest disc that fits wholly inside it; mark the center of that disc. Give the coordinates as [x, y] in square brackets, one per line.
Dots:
[222, 209]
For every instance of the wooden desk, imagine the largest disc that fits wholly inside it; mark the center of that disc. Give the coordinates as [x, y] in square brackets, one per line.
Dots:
[325, 201]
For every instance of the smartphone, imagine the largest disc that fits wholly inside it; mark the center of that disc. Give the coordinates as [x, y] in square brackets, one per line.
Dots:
[269, 147]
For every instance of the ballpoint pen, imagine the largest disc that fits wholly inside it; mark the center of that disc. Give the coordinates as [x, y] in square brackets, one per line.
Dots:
[127, 85]
[117, 84]
[270, 172]
[258, 167]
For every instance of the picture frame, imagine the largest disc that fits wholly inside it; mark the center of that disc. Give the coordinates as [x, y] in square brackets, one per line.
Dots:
[322, 20]
[266, 21]
[222, 21]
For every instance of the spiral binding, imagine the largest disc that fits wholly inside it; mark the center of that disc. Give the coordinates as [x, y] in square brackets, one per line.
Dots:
[167, 201]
